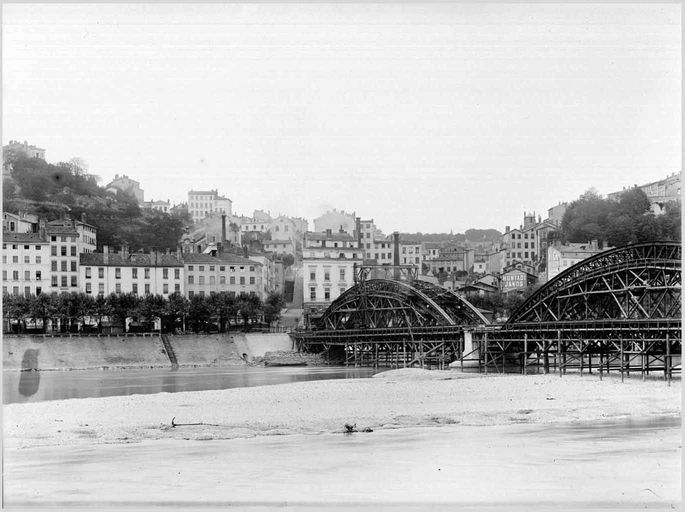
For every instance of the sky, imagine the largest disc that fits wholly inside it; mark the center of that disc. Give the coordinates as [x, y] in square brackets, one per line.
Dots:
[424, 117]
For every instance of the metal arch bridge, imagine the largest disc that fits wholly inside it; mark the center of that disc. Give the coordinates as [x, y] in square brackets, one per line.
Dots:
[618, 310]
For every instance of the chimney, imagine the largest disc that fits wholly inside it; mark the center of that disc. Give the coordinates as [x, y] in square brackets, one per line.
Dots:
[329, 233]
[359, 232]
[219, 248]
[223, 228]
[105, 254]
[506, 229]
[245, 251]
[396, 253]
[124, 252]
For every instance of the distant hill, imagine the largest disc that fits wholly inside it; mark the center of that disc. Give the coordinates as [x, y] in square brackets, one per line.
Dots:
[472, 235]
[53, 190]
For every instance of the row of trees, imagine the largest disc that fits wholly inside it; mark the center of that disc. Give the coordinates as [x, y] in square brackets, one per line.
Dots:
[76, 312]
[628, 220]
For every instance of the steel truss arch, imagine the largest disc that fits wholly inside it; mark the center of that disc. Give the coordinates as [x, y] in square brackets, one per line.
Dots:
[384, 303]
[634, 282]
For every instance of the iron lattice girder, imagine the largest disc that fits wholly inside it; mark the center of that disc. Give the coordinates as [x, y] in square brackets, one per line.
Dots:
[639, 281]
[383, 303]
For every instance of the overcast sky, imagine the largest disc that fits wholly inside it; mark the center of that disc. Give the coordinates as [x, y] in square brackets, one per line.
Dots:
[423, 117]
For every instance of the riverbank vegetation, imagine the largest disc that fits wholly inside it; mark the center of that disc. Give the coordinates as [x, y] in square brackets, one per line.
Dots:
[83, 313]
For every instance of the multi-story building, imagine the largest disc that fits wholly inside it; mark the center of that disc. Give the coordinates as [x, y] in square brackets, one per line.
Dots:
[19, 223]
[517, 276]
[138, 273]
[555, 214]
[125, 184]
[336, 221]
[452, 259]
[368, 233]
[560, 257]
[65, 247]
[658, 192]
[282, 228]
[252, 225]
[410, 253]
[202, 203]
[24, 148]
[207, 274]
[279, 247]
[529, 242]
[328, 261]
[382, 251]
[430, 250]
[25, 264]
[160, 206]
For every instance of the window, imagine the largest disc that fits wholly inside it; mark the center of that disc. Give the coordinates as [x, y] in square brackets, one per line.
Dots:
[342, 274]
[117, 273]
[525, 245]
[190, 267]
[101, 289]
[242, 280]
[73, 250]
[27, 259]
[4, 258]
[327, 294]
[73, 265]
[64, 282]
[252, 280]
[27, 291]
[27, 275]
[222, 279]
[147, 273]
[53, 265]
[222, 268]
[212, 279]
[134, 273]
[147, 289]
[89, 288]
[64, 238]
[134, 288]
[63, 266]
[211, 268]
[191, 280]
[54, 281]
[38, 247]
[165, 288]
[326, 276]
[312, 293]
[14, 246]
[201, 268]
[88, 273]
[74, 281]
[201, 280]
[15, 275]
[53, 250]
[177, 288]
[177, 273]
[15, 291]
[165, 273]
[117, 288]
[63, 250]
[101, 273]
[232, 269]
[251, 269]
[312, 276]
[342, 290]
[4, 275]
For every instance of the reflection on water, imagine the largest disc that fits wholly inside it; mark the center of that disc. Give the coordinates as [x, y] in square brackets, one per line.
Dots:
[39, 386]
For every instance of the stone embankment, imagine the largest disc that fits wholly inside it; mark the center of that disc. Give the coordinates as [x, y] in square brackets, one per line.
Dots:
[73, 352]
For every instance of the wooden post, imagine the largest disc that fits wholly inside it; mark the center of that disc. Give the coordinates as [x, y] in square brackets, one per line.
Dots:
[525, 353]
[559, 350]
[546, 356]
[462, 344]
[667, 366]
[621, 340]
[485, 352]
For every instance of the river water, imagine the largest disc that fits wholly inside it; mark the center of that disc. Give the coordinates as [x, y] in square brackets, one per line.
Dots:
[21, 387]
[615, 465]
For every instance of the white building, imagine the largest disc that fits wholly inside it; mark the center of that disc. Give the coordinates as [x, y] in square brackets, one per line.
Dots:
[410, 253]
[160, 206]
[336, 221]
[560, 257]
[25, 264]
[328, 261]
[24, 148]
[202, 203]
[125, 184]
[207, 274]
[141, 274]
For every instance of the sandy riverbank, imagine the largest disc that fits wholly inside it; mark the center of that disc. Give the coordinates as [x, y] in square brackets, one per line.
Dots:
[395, 399]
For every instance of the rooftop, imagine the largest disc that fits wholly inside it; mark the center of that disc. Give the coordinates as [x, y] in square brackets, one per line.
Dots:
[336, 237]
[10, 237]
[131, 260]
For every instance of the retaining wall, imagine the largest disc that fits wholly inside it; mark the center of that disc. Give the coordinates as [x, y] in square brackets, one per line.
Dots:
[81, 352]
[36, 352]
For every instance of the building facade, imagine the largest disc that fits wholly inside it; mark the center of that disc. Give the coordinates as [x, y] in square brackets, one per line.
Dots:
[202, 203]
[328, 261]
[336, 221]
[125, 184]
[26, 266]
[207, 274]
[14, 146]
[560, 257]
[141, 274]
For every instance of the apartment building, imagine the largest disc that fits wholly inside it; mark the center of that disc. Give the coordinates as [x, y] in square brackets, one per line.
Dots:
[560, 257]
[207, 274]
[202, 203]
[138, 273]
[25, 264]
[328, 261]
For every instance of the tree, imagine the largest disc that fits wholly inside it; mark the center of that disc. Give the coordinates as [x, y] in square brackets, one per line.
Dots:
[272, 307]
[151, 307]
[102, 308]
[288, 260]
[224, 306]
[199, 313]
[176, 308]
[123, 306]
[44, 308]
[250, 307]
[16, 307]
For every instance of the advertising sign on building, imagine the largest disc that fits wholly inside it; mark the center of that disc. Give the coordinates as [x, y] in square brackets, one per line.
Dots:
[514, 279]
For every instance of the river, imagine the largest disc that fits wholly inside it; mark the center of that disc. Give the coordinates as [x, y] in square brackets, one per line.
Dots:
[21, 387]
[611, 465]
